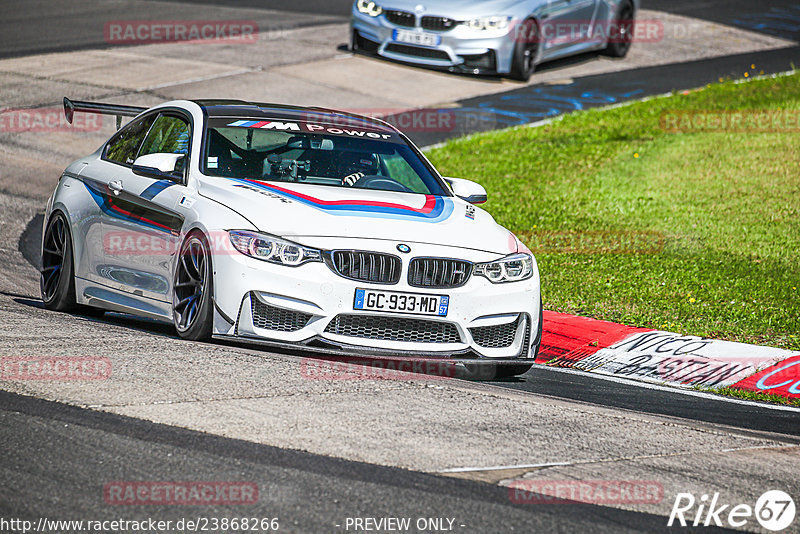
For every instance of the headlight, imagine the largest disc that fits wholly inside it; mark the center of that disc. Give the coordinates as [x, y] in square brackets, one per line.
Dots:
[489, 23]
[369, 8]
[272, 249]
[509, 269]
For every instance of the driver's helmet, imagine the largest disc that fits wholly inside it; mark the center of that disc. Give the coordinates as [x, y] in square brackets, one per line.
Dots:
[358, 163]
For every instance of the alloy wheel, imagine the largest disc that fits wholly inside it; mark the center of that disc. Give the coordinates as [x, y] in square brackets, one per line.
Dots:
[191, 278]
[53, 252]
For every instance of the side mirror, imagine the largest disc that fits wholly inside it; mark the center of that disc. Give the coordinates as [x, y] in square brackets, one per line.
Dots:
[159, 166]
[472, 192]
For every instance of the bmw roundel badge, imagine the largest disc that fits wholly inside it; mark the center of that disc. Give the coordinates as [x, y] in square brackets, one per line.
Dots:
[402, 247]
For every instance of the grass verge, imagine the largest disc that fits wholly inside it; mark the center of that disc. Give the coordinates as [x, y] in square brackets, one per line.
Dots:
[695, 232]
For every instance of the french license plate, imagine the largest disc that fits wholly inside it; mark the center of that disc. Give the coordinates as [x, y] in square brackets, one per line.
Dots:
[394, 301]
[417, 38]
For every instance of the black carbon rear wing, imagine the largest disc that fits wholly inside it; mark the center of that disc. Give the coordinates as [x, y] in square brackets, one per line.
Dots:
[71, 106]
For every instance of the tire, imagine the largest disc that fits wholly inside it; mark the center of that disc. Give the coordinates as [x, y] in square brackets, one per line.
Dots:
[623, 22]
[193, 287]
[57, 280]
[523, 62]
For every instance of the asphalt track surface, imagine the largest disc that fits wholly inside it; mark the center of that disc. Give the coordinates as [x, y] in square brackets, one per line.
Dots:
[56, 28]
[563, 384]
[306, 492]
[47, 26]
[632, 396]
[55, 455]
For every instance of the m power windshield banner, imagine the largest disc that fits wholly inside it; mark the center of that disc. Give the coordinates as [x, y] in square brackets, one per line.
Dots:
[309, 128]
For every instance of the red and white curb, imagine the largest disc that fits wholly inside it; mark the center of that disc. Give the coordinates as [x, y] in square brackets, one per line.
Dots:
[667, 358]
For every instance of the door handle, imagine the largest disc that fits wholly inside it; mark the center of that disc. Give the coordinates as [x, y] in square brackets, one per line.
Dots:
[115, 186]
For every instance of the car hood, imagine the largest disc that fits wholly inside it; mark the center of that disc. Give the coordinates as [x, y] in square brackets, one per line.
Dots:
[457, 10]
[297, 210]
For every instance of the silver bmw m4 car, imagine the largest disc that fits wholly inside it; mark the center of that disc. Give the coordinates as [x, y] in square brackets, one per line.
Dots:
[505, 37]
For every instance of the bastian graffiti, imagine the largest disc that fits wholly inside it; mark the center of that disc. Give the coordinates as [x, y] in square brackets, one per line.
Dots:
[688, 360]
[666, 357]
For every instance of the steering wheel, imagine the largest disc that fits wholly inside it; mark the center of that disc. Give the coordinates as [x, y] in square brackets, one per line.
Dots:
[383, 183]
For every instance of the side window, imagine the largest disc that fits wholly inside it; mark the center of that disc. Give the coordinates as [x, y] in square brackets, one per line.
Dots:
[122, 148]
[169, 135]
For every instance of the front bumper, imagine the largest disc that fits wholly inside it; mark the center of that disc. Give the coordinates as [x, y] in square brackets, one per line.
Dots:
[460, 48]
[312, 306]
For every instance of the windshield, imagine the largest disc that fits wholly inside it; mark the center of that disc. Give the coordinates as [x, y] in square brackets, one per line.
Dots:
[318, 154]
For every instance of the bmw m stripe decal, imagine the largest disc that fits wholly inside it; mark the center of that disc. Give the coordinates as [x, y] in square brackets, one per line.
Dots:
[156, 188]
[125, 207]
[436, 208]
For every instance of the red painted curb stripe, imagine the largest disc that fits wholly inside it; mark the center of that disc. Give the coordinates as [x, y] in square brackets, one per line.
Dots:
[568, 339]
[782, 378]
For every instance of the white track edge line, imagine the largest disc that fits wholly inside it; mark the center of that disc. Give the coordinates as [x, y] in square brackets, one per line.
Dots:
[583, 462]
[670, 389]
[503, 467]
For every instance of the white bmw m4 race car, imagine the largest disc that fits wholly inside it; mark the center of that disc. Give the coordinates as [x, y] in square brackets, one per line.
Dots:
[289, 226]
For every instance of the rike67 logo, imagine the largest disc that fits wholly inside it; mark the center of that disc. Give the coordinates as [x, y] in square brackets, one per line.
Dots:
[774, 510]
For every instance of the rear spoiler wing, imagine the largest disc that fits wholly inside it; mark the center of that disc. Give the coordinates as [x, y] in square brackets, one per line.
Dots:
[71, 106]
